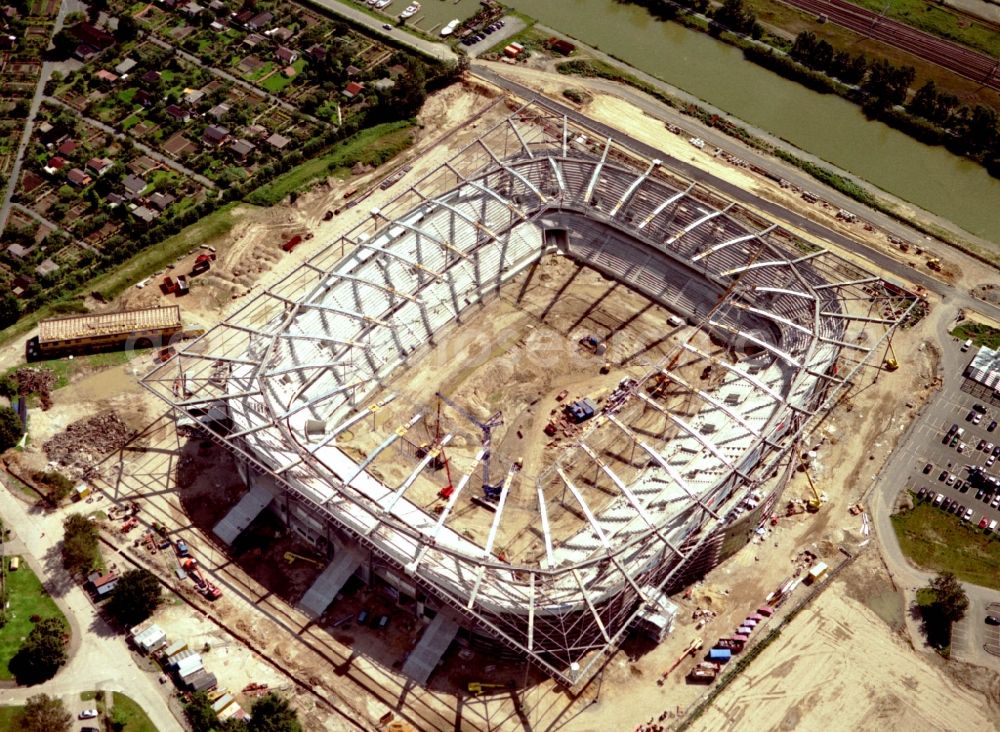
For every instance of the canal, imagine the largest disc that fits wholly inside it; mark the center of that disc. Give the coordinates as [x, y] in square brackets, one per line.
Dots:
[822, 124]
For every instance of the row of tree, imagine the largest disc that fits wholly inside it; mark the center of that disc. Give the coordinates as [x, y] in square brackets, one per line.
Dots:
[269, 713]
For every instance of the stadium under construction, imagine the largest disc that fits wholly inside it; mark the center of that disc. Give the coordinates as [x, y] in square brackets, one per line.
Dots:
[671, 475]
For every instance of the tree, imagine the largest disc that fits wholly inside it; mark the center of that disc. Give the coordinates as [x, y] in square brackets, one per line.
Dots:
[80, 544]
[43, 713]
[57, 486]
[136, 596]
[925, 101]
[42, 653]
[271, 713]
[10, 310]
[950, 596]
[11, 428]
[200, 714]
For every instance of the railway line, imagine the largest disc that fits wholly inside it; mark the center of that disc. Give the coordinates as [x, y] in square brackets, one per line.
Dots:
[970, 64]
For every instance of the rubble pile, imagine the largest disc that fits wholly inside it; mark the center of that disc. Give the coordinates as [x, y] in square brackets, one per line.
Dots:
[86, 442]
[36, 381]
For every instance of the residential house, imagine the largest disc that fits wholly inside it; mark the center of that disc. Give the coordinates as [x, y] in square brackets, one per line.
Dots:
[353, 89]
[145, 214]
[218, 6]
[19, 251]
[352, 71]
[217, 26]
[397, 70]
[106, 77]
[316, 53]
[92, 35]
[241, 149]
[67, 147]
[193, 9]
[134, 186]
[144, 98]
[219, 111]
[114, 199]
[289, 72]
[193, 97]
[160, 201]
[125, 66]
[55, 165]
[215, 135]
[253, 40]
[47, 267]
[30, 180]
[151, 77]
[99, 166]
[78, 178]
[278, 142]
[102, 584]
[280, 35]
[260, 20]
[178, 113]
[286, 55]
[20, 284]
[85, 52]
[243, 17]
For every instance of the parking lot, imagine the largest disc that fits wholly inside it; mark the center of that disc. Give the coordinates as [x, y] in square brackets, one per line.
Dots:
[943, 458]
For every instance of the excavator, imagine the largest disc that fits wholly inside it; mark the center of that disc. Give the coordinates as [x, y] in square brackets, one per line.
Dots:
[693, 647]
[891, 364]
[478, 687]
[290, 558]
[814, 504]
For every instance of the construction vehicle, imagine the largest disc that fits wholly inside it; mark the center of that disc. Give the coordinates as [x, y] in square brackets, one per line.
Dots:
[292, 243]
[704, 673]
[478, 687]
[815, 503]
[692, 648]
[182, 548]
[290, 558]
[328, 215]
[202, 263]
[190, 565]
[182, 286]
[168, 286]
[934, 264]
[490, 491]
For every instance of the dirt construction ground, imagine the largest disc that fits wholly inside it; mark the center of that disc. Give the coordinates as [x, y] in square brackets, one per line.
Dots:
[841, 664]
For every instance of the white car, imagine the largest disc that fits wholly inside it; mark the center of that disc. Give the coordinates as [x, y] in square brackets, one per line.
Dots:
[961, 447]
[996, 501]
[977, 419]
[88, 714]
[990, 460]
[968, 515]
[989, 447]
[951, 479]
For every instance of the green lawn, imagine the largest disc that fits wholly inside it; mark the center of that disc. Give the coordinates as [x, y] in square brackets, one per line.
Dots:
[126, 710]
[10, 719]
[65, 369]
[374, 145]
[981, 335]
[939, 541]
[278, 81]
[26, 598]
[127, 94]
[940, 22]
[131, 121]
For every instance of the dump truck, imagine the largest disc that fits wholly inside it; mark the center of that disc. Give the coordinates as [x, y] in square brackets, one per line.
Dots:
[292, 243]
[182, 286]
[703, 673]
[202, 263]
[168, 286]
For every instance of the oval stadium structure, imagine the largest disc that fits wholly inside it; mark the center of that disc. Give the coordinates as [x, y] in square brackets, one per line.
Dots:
[311, 359]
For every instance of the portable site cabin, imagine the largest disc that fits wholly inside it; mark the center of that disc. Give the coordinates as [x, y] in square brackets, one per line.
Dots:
[201, 680]
[15, 564]
[720, 655]
[744, 630]
[150, 639]
[81, 491]
[189, 665]
[817, 572]
[766, 610]
[174, 648]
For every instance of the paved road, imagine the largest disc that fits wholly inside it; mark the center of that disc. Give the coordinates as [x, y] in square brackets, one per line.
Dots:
[100, 659]
[969, 634]
[31, 213]
[234, 79]
[777, 211]
[141, 146]
[66, 7]
[435, 49]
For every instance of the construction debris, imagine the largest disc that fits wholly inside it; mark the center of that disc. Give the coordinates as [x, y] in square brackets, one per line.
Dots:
[86, 442]
[36, 381]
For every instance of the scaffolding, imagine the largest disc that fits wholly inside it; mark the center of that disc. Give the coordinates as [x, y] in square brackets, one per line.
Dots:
[306, 359]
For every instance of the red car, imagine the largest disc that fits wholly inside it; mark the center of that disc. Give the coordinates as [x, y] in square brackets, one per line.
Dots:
[984, 522]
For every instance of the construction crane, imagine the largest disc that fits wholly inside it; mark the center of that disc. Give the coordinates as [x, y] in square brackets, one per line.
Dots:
[477, 687]
[693, 647]
[487, 427]
[816, 502]
[290, 558]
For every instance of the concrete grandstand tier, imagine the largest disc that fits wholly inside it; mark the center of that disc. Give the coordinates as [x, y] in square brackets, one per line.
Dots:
[710, 432]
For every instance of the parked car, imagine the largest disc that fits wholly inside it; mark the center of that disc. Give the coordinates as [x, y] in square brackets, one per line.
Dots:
[970, 416]
[977, 419]
[383, 621]
[990, 460]
[992, 426]
[968, 515]
[979, 494]
[938, 499]
[992, 620]
[921, 494]
[961, 447]
[362, 617]
[979, 408]
[981, 445]
[984, 522]
[88, 714]
[944, 474]
[951, 479]
[962, 487]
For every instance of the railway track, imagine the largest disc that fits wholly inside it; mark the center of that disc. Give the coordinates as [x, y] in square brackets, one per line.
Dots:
[970, 64]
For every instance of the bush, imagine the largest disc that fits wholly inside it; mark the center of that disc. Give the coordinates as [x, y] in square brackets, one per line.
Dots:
[54, 484]
[42, 653]
[11, 429]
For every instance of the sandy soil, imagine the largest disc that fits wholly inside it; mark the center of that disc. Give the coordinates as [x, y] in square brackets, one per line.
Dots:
[836, 668]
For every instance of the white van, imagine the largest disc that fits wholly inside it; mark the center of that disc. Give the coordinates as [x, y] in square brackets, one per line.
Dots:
[967, 345]
[675, 321]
